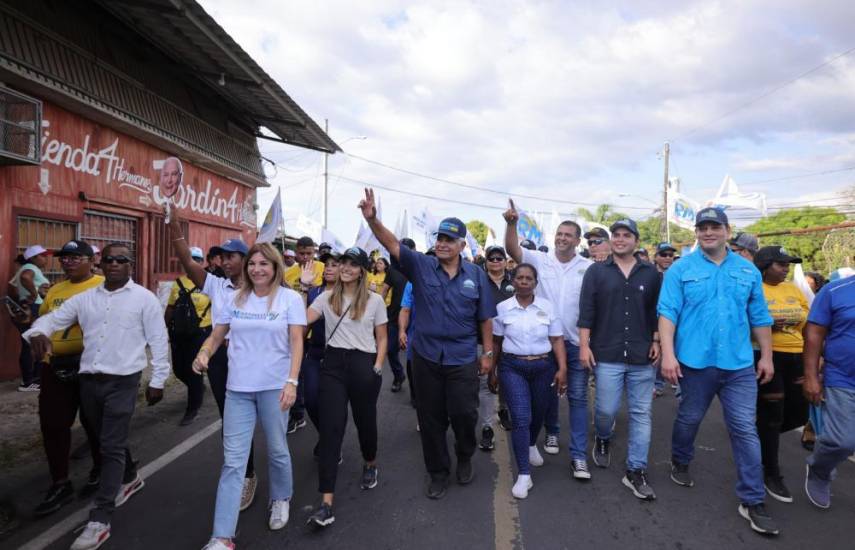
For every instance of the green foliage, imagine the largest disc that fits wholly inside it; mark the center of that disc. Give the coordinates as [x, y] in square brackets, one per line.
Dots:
[807, 246]
[603, 214]
[479, 230]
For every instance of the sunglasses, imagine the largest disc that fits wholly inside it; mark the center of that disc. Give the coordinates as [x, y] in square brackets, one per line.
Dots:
[496, 259]
[115, 259]
[596, 241]
[666, 254]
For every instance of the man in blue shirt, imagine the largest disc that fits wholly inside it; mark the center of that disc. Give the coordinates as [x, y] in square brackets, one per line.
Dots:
[455, 304]
[710, 304]
[831, 322]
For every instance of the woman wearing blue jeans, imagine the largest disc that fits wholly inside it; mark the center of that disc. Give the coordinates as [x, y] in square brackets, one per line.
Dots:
[265, 323]
[530, 338]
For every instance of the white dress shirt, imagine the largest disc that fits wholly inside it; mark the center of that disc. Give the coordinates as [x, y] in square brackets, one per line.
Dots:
[560, 283]
[526, 330]
[116, 326]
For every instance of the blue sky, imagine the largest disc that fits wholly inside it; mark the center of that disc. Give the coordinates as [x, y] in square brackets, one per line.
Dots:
[570, 101]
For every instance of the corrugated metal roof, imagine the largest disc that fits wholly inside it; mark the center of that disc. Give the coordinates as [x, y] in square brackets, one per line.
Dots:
[182, 30]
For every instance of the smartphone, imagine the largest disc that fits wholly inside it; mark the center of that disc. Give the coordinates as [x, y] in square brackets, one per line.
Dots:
[15, 310]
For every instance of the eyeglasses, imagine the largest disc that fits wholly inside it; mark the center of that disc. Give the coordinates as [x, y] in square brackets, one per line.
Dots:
[496, 259]
[596, 241]
[117, 259]
[666, 254]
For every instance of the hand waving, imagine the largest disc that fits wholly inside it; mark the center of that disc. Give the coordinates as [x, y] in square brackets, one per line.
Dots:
[367, 205]
[307, 273]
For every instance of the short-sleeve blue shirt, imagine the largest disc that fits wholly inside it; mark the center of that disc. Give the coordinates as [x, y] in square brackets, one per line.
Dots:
[449, 309]
[834, 309]
[714, 308]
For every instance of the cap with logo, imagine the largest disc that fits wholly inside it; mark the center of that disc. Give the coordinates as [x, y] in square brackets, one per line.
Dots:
[596, 233]
[235, 245]
[528, 244]
[627, 224]
[711, 214]
[665, 247]
[325, 245]
[495, 251]
[34, 251]
[357, 255]
[746, 241]
[327, 256]
[769, 254]
[196, 253]
[452, 227]
[75, 247]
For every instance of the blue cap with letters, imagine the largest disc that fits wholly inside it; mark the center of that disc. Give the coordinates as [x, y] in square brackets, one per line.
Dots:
[235, 245]
[452, 227]
[711, 214]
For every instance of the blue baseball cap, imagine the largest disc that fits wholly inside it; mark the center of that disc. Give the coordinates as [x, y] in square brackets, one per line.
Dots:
[196, 252]
[664, 247]
[235, 245]
[627, 224]
[711, 214]
[452, 227]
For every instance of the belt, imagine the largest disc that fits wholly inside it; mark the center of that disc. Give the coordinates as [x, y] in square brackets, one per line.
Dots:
[529, 357]
[103, 376]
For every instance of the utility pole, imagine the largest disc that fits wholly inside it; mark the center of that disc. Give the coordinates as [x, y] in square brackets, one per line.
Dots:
[326, 172]
[665, 227]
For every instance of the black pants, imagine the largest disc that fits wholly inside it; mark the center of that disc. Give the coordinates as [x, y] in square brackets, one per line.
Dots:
[394, 353]
[184, 351]
[108, 403]
[445, 395]
[218, 375]
[346, 375]
[781, 406]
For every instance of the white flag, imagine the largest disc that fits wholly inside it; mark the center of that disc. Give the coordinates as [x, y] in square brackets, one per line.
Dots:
[365, 238]
[682, 210]
[272, 222]
[309, 228]
[402, 227]
[423, 226]
[331, 239]
[801, 283]
[729, 195]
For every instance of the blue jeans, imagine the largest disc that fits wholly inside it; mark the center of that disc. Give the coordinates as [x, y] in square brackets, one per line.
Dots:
[242, 409]
[837, 440]
[737, 391]
[553, 427]
[526, 386]
[638, 379]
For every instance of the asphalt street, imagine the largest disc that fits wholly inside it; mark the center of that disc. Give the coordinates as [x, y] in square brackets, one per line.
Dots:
[175, 509]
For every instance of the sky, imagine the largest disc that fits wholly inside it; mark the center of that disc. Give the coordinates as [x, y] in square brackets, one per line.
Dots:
[569, 102]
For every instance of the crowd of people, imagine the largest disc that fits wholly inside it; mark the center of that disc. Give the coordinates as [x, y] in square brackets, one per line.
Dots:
[493, 342]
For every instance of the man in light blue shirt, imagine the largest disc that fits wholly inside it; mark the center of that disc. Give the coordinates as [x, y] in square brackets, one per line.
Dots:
[710, 304]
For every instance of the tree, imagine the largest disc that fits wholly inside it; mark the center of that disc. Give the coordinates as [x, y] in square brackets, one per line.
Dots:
[603, 214]
[650, 236]
[479, 230]
[807, 246]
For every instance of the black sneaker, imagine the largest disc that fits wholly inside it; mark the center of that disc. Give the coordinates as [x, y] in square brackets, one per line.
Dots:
[295, 424]
[396, 386]
[189, 417]
[323, 516]
[759, 519]
[57, 496]
[486, 439]
[600, 453]
[680, 474]
[636, 481]
[464, 472]
[505, 420]
[369, 477]
[776, 488]
[435, 487]
[91, 485]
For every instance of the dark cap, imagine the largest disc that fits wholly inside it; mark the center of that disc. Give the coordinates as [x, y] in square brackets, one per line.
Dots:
[75, 248]
[528, 244]
[711, 214]
[745, 240]
[664, 247]
[495, 250]
[543, 248]
[596, 232]
[214, 251]
[235, 245]
[325, 245]
[430, 252]
[357, 255]
[409, 243]
[327, 256]
[769, 254]
[627, 224]
[452, 227]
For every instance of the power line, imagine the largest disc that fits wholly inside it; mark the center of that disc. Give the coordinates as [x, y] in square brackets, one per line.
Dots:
[799, 176]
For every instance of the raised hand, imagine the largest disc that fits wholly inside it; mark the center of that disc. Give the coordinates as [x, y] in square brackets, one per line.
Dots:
[511, 215]
[307, 273]
[368, 206]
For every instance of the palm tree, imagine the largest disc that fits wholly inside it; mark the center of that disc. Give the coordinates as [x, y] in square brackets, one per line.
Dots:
[603, 214]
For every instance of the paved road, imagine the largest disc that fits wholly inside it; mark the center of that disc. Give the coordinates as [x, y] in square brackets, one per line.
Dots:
[176, 507]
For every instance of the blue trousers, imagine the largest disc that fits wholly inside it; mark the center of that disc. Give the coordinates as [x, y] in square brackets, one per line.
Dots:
[737, 391]
[638, 381]
[526, 386]
[837, 440]
[577, 398]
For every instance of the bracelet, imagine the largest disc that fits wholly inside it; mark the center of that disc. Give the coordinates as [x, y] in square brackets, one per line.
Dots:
[292, 382]
[178, 239]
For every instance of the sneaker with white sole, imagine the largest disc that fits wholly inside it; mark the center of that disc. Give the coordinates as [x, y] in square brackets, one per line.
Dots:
[522, 486]
[29, 388]
[636, 481]
[247, 494]
[579, 469]
[534, 457]
[818, 490]
[323, 516]
[127, 490]
[219, 544]
[759, 519]
[93, 536]
[550, 446]
[278, 514]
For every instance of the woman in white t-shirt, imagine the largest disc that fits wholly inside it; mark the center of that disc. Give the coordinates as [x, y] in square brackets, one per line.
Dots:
[355, 320]
[265, 323]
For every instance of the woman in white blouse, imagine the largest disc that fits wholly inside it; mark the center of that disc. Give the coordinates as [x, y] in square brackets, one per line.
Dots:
[532, 362]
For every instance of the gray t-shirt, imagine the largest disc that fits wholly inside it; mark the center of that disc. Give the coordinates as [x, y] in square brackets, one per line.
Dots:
[352, 334]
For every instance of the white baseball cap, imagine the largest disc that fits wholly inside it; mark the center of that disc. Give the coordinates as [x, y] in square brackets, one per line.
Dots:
[289, 252]
[34, 251]
[95, 250]
[196, 252]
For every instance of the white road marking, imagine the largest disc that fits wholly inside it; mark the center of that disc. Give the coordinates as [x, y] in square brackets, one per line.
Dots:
[506, 515]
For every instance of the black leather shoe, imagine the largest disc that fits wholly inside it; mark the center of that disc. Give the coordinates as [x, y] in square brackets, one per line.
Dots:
[396, 386]
[464, 472]
[435, 487]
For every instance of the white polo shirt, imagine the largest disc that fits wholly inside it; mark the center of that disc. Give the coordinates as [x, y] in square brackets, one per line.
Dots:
[560, 283]
[220, 290]
[526, 330]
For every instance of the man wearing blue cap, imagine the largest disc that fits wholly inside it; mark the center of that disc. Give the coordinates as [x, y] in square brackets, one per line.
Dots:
[710, 305]
[664, 257]
[455, 304]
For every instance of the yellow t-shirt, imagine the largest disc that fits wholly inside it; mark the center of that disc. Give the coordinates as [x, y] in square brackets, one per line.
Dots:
[291, 277]
[70, 340]
[378, 280]
[787, 302]
[200, 301]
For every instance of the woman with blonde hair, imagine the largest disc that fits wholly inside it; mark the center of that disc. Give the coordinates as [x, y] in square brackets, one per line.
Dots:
[355, 320]
[265, 322]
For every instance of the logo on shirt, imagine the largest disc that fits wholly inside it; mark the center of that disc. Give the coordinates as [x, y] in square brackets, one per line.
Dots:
[469, 283]
[247, 316]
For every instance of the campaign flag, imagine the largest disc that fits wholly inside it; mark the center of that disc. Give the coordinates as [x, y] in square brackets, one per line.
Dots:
[272, 221]
[528, 228]
[402, 226]
[472, 244]
[682, 210]
[729, 195]
[801, 283]
[331, 239]
[423, 227]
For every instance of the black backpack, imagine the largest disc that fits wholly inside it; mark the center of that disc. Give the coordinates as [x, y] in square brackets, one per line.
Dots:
[185, 320]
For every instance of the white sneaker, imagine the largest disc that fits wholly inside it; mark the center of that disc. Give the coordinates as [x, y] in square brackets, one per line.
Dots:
[522, 486]
[127, 490]
[219, 544]
[247, 495]
[93, 536]
[534, 457]
[551, 444]
[278, 514]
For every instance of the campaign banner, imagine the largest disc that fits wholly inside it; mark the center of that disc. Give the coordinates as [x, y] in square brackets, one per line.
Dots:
[528, 228]
[682, 210]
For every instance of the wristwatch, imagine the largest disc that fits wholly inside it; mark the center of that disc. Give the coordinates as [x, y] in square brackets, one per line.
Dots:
[292, 382]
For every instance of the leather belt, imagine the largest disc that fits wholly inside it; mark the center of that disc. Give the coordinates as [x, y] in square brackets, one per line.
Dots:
[529, 357]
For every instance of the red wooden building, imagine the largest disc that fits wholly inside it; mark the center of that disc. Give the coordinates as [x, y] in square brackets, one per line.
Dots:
[94, 95]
